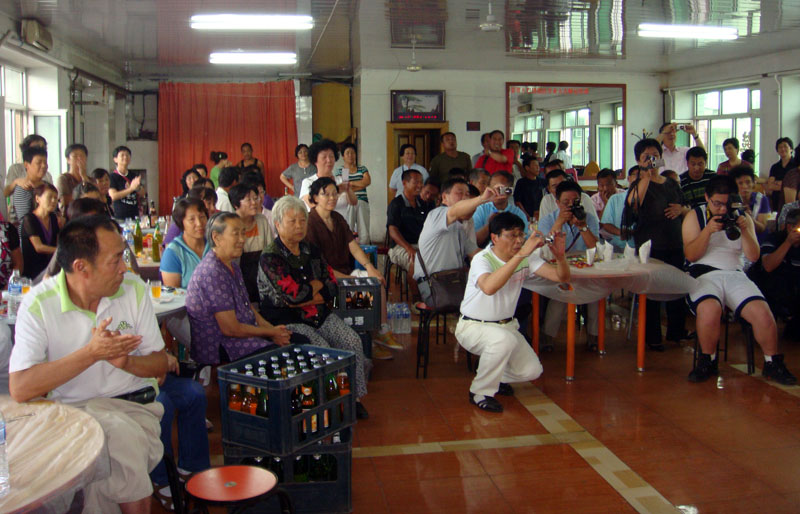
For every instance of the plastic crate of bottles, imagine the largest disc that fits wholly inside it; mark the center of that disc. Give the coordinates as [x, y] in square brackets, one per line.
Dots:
[318, 478]
[285, 399]
[359, 303]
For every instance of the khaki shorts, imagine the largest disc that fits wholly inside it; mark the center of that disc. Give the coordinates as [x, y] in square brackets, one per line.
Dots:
[133, 449]
[398, 255]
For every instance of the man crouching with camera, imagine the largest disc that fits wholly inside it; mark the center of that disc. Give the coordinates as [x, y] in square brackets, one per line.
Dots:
[715, 237]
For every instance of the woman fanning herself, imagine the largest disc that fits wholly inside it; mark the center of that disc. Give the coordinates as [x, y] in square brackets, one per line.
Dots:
[323, 155]
[40, 231]
[328, 231]
[296, 283]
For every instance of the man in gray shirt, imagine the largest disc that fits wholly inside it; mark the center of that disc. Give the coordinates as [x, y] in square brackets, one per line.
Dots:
[444, 243]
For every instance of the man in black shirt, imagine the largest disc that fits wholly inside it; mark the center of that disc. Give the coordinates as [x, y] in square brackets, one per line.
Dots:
[529, 190]
[694, 180]
[405, 218]
[125, 186]
[778, 277]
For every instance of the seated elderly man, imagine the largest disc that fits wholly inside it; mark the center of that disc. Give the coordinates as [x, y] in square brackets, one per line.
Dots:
[487, 326]
[581, 232]
[717, 264]
[780, 279]
[225, 325]
[405, 217]
[445, 242]
[106, 365]
[549, 203]
[296, 284]
[500, 181]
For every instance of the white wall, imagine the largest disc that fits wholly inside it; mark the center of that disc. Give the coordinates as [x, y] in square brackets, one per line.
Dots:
[475, 96]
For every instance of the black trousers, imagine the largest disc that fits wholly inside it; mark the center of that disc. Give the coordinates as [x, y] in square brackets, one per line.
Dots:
[676, 309]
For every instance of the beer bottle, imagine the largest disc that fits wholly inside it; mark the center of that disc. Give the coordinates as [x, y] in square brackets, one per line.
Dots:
[249, 400]
[234, 394]
[331, 392]
[137, 238]
[309, 401]
[155, 250]
[301, 468]
[263, 403]
[343, 381]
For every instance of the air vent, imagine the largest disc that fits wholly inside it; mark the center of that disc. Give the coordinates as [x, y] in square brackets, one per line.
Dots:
[472, 14]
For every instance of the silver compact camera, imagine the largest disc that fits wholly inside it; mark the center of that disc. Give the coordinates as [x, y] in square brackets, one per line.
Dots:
[549, 239]
[508, 191]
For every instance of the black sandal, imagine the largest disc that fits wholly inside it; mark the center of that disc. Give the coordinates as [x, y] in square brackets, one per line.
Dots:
[505, 389]
[488, 403]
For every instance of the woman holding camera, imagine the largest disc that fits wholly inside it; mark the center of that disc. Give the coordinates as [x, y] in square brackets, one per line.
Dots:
[653, 212]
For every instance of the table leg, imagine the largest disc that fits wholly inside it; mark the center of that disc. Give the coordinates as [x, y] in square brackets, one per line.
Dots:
[601, 327]
[535, 323]
[640, 331]
[570, 342]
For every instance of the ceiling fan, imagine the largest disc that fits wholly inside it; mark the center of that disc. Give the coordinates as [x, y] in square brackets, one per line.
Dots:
[490, 25]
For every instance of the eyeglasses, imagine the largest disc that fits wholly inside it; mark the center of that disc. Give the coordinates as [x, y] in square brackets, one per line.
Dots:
[512, 236]
[718, 205]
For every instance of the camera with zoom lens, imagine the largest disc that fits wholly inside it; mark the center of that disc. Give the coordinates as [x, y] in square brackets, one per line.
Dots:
[728, 220]
[577, 210]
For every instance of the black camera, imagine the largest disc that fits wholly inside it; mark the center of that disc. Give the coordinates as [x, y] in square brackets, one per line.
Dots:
[728, 221]
[577, 210]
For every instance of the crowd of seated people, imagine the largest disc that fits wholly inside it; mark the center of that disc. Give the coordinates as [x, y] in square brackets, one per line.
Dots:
[260, 273]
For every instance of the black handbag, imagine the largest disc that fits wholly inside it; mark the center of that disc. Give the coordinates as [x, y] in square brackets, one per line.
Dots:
[446, 288]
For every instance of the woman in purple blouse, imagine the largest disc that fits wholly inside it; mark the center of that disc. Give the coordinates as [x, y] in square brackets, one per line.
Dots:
[225, 326]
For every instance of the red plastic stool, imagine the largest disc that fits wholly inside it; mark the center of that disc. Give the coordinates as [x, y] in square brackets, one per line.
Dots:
[238, 487]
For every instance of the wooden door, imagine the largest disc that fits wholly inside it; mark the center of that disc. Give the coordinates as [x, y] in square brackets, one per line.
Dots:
[420, 139]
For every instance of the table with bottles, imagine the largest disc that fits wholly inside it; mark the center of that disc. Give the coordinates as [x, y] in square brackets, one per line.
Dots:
[145, 243]
[52, 451]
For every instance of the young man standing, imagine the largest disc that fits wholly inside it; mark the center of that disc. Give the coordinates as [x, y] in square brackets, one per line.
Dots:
[487, 326]
[695, 178]
[495, 157]
[450, 158]
[76, 155]
[125, 186]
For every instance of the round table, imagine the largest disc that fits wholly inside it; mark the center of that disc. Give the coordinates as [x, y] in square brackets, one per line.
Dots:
[52, 450]
[655, 280]
[148, 269]
[170, 304]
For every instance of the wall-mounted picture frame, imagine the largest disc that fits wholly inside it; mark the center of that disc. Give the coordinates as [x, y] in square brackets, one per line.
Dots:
[418, 105]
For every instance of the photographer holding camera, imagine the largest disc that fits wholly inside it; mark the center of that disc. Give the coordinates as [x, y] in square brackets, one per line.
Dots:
[715, 236]
[582, 230]
[502, 182]
[652, 212]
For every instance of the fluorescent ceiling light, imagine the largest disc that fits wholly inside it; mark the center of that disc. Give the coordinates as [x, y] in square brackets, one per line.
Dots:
[252, 22]
[687, 31]
[253, 58]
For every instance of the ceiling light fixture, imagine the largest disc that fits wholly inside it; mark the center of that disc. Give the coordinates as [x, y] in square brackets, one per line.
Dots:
[490, 25]
[252, 22]
[240, 57]
[656, 30]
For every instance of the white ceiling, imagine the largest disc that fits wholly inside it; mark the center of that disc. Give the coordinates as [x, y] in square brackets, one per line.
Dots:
[152, 38]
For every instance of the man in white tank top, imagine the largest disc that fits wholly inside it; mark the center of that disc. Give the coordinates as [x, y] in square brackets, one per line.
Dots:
[717, 264]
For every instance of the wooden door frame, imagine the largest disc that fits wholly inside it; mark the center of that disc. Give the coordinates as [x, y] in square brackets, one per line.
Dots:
[391, 150]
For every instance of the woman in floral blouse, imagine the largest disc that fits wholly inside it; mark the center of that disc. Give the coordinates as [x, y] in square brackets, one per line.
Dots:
[295, 283]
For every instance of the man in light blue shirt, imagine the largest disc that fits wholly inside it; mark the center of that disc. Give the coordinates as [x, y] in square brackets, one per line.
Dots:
[611, 221]
[499, 181]
[582, 232]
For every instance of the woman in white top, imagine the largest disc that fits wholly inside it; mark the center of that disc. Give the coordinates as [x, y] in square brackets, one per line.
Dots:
[408, 156]
[324, 154]
[258, 233]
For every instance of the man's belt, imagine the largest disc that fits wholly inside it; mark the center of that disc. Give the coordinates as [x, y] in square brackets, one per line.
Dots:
[500, 322]
[143, 396]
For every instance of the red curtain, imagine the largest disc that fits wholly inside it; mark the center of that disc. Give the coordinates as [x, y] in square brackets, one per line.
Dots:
[194, 119]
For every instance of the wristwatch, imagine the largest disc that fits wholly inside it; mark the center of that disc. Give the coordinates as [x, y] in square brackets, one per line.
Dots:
[584, 228]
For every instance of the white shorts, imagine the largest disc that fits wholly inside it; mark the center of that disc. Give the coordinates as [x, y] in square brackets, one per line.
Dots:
[732, 289]
[398, 255]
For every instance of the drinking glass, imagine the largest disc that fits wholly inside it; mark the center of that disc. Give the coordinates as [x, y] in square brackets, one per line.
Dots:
[155, 289]
[26, 285]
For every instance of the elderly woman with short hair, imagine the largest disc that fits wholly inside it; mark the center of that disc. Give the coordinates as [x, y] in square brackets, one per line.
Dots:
[225, 326]
[295, 283]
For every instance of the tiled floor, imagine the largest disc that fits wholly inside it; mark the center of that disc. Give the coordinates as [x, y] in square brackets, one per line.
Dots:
[614, 440]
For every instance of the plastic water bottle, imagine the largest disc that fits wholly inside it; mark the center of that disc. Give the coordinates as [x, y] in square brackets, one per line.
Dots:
[405, 317]
[127, 234]
[390, 316]
[4, 485]
[14, 293]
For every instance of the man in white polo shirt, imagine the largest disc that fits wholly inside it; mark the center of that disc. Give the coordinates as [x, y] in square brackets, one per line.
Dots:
[89, 337]
[487, 326]
[675, 156]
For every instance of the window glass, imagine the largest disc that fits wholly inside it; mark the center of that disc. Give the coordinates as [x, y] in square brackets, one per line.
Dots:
[13, 86]
[755, 99]
[619, 114]
[583, 117]
[49, 127]
[570, 118]
[720, 131]
[708, 103]
[530, 123]
[734, 101]
[519, 124]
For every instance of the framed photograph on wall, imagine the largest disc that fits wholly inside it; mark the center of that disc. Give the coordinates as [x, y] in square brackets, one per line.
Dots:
[418, 105]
